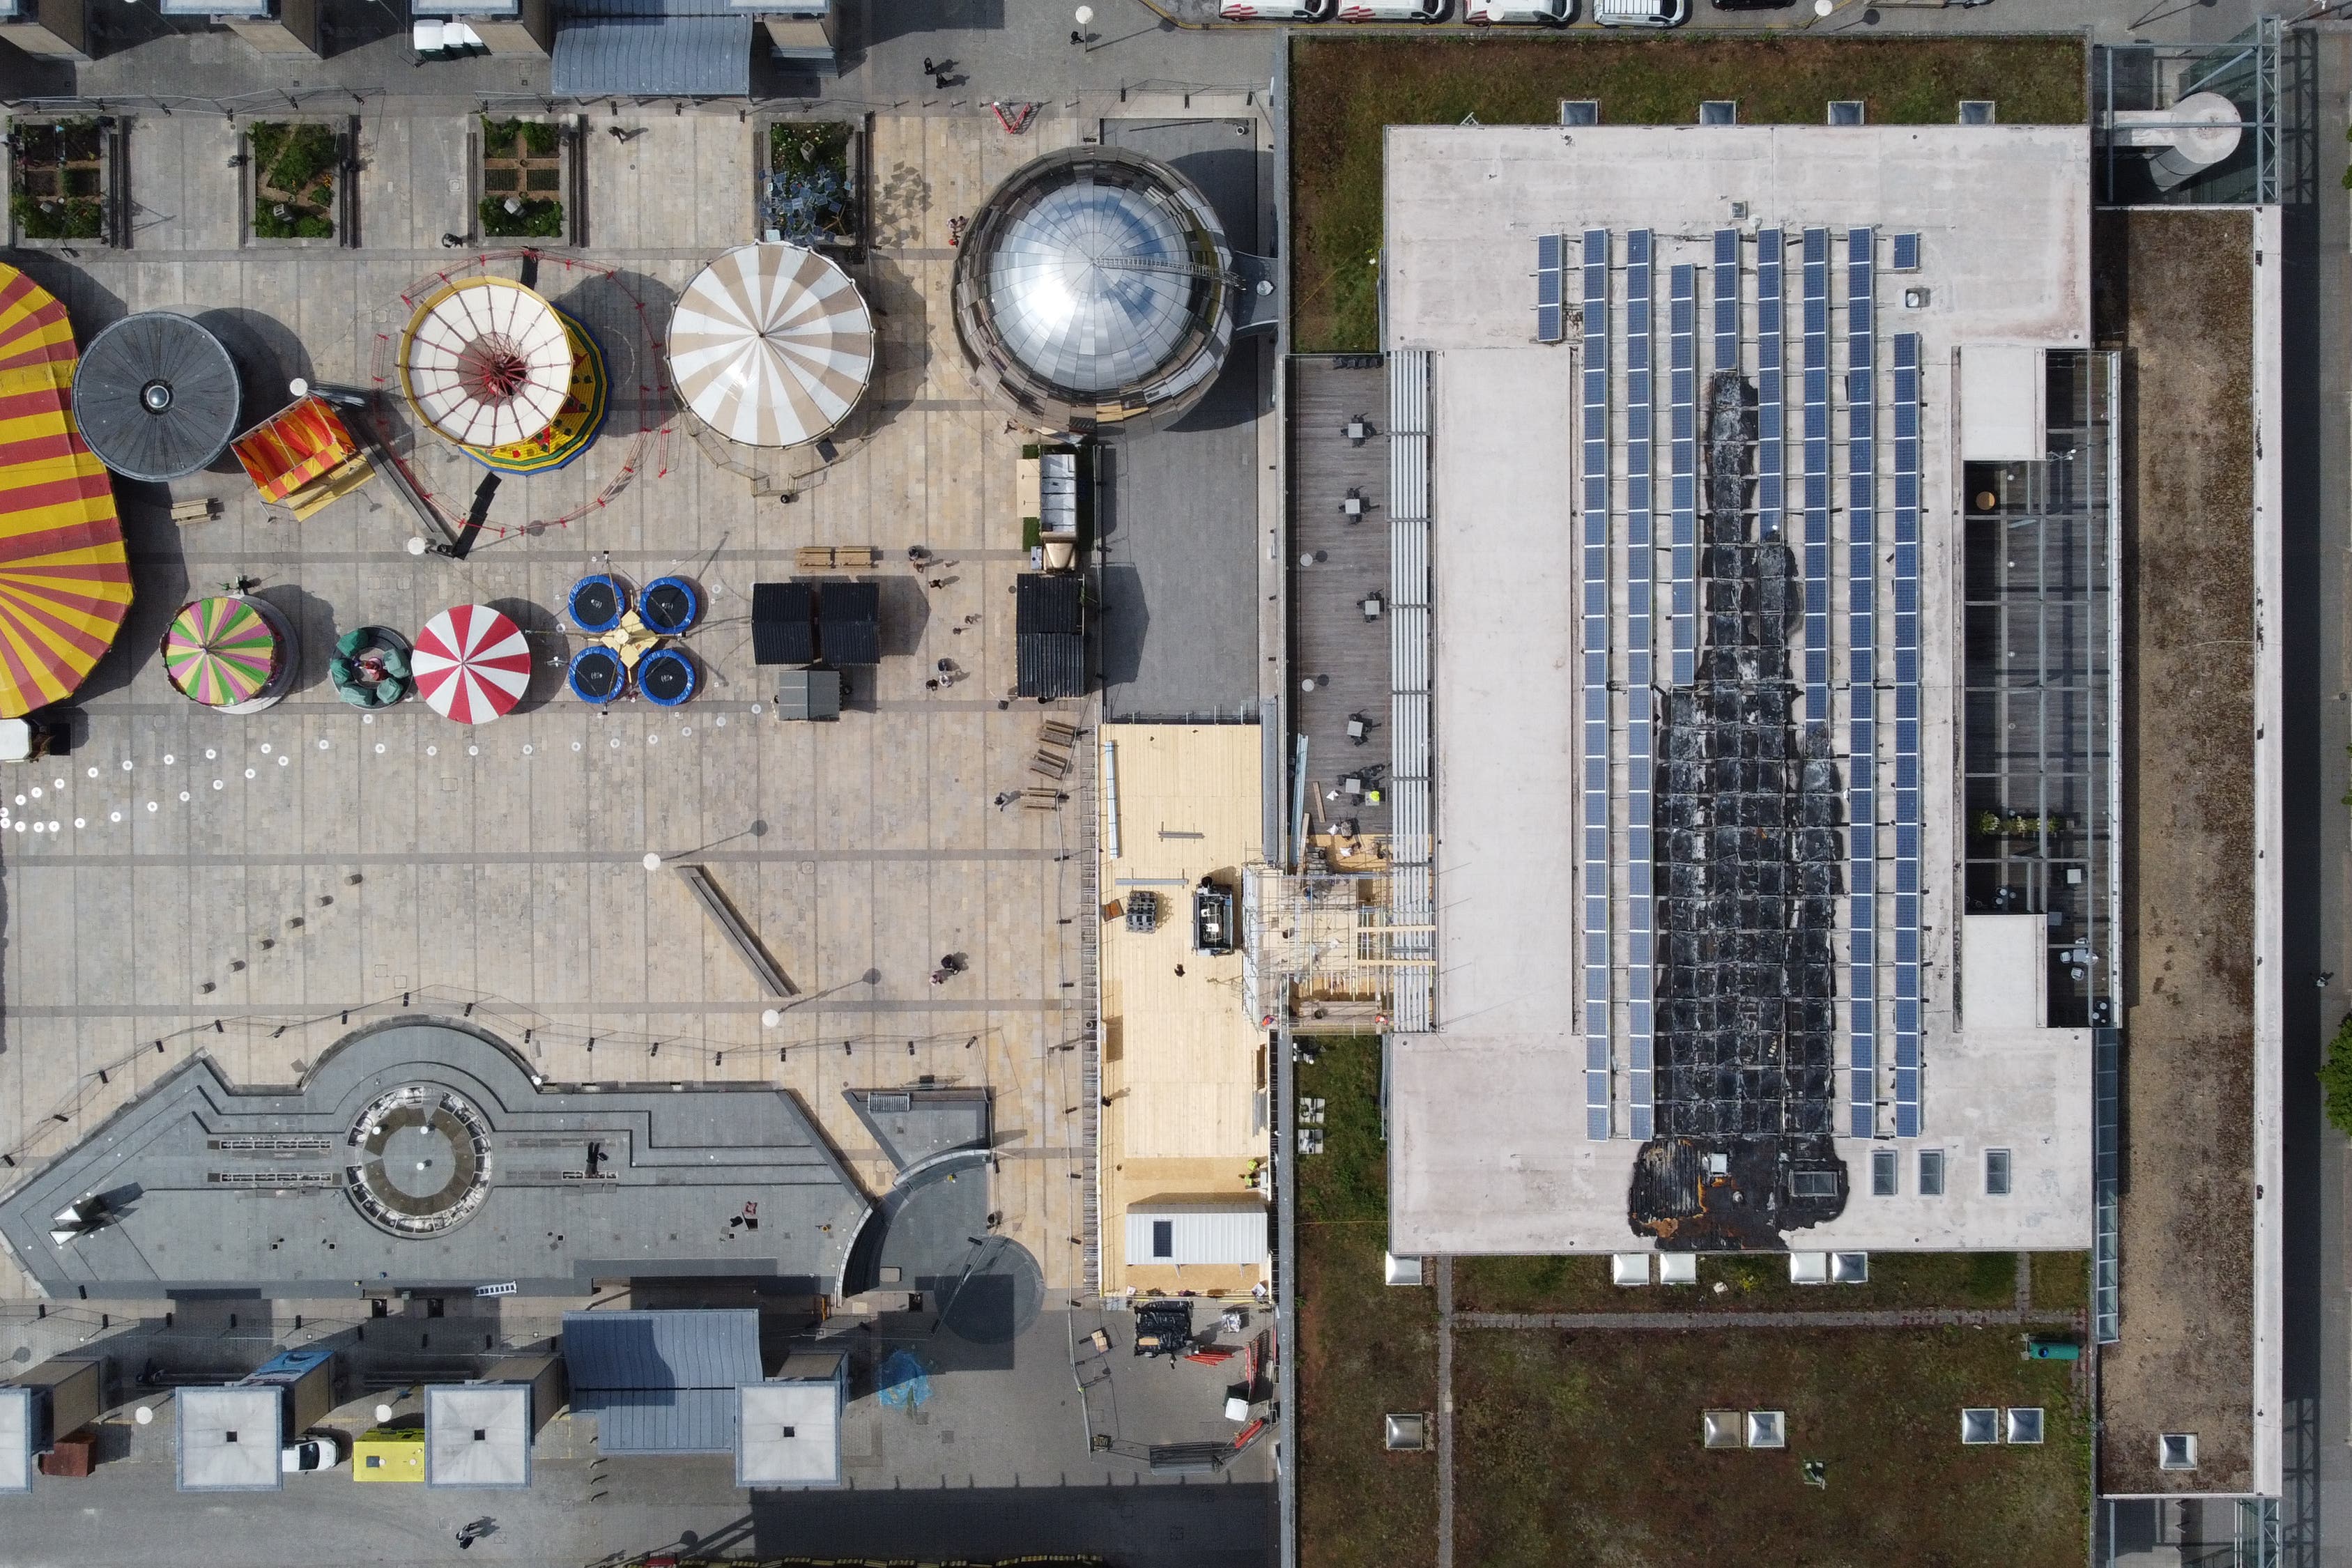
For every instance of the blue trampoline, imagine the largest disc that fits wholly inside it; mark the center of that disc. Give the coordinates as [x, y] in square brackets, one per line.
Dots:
[666, 677]
[597, 675]
[598, 603]
[669, 605]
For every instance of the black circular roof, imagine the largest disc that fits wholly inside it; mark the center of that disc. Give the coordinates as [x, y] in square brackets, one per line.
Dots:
[156, 395]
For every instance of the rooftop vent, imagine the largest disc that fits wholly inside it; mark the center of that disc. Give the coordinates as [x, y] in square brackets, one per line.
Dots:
[1768, 1428]
[1979, 1426]
[1720, 111]
[1402, 1271]
[1977, 112]
[2177, 1451]
[1579, 112]
[1628, 1267]
[2023, 1425]
[1720, 1429]
[1849, 1267]
[1845, 112]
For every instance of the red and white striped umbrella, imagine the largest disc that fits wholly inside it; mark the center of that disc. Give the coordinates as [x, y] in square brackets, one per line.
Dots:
[471, 663]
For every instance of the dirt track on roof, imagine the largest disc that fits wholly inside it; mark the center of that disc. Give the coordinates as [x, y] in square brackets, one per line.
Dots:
[2178, 288]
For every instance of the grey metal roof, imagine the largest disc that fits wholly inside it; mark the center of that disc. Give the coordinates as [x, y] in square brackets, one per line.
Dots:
[652, 48]
[661, 1383]
[667, 1163]
[478, 1435]
[228, 1439]
[156, 395]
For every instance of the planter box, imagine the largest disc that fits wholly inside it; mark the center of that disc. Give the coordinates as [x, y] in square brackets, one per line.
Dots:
[535, 163]
[849, 245]
[64, 183]
[315, 155]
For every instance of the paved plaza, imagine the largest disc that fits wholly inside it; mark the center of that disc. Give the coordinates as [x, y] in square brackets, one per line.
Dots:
[243, 887]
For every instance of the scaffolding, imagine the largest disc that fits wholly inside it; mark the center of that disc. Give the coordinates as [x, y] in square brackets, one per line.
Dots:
[1323, 949]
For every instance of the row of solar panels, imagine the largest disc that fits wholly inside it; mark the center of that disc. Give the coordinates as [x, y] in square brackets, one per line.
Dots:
[1862, 479]
[1552, 268]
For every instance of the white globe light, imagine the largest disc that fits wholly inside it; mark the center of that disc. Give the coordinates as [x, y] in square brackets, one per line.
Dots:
[652, 861]
[771, 1019]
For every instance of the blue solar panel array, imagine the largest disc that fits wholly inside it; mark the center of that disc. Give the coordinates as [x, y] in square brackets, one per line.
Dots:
[1815, 549]
[1551, 307]
[1906, 253]
[1640, 554]
[1906, 734]
[1595, 628]
[1861, 511]
[1727, 299]
[1682, 380]
[1771, 418]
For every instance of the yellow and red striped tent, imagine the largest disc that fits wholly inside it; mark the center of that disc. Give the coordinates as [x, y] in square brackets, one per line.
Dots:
[302, 456]
[65, 580]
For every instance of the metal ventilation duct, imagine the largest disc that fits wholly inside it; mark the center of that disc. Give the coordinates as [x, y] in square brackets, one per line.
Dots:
[157, 396]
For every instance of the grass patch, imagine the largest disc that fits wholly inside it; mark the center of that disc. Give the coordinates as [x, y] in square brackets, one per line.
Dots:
[500, 138]
[1584, 1447]
[2061, 1281]
[1366, 1348]
[55, 217]
[2335, 1071]
[1349, 1180]
[1343, 90]
[1898, 1282]
[293, 180]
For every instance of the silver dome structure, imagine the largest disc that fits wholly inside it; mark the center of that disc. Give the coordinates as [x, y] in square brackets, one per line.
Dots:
[1096, 288]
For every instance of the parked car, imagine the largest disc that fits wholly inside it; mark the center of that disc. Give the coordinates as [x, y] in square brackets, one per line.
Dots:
[1543, 13]
[1392, 10]
[1641, 12]
[1274, 10]
[317, 1451]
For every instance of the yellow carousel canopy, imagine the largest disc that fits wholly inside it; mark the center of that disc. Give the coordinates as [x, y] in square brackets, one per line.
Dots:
[64, 581]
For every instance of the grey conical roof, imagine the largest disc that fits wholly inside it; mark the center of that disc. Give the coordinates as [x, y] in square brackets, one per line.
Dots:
[156, 395]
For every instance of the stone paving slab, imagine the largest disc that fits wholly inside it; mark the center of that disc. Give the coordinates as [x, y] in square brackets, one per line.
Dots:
[430, 867]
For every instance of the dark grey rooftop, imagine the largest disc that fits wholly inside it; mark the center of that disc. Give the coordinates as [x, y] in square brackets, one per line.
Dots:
[423, 1154]
[661, 1383]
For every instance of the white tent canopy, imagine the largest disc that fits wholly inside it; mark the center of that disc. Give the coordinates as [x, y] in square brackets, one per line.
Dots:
[485, 361]
[229, 1439]
[771, 345]
[478, 1435]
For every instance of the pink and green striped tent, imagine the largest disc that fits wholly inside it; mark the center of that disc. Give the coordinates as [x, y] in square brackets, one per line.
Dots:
[220, 651]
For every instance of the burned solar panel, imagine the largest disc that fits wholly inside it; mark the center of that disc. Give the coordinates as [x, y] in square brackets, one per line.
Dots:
[1749, 852]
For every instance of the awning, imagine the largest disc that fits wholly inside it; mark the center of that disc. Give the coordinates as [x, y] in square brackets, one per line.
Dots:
[652, 48]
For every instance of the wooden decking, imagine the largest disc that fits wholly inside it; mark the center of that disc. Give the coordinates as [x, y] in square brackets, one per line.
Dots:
[1331, 642]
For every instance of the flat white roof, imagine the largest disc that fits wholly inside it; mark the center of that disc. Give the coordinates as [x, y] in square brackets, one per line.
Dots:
[1488, 1151]
[788, 1433]
[478, 1435]
[228, 1439]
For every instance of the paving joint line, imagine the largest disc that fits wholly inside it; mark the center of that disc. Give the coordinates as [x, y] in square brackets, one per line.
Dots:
[1923, 1317]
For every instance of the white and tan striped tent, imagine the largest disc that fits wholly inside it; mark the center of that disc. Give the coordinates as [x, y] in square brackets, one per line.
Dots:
[771, 345]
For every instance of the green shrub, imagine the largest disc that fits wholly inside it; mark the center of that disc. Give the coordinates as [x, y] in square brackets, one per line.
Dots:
[299, 223]
[540, 219]
[294, 158]
[2336, 1077]
[68, 219]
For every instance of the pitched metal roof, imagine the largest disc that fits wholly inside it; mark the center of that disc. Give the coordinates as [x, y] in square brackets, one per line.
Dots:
[652, 48]
[783, 623]
[1049, 645]
[661, 1383]
[849, 622]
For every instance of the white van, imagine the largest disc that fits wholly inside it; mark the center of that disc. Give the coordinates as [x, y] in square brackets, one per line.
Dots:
[1641, 12]
[1545, 12]
[1392, 10]
[1274, 10]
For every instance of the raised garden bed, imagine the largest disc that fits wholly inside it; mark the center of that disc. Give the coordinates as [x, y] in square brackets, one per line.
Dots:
[808, 184]
[524, 180]
[294, 166]
[58, 180]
